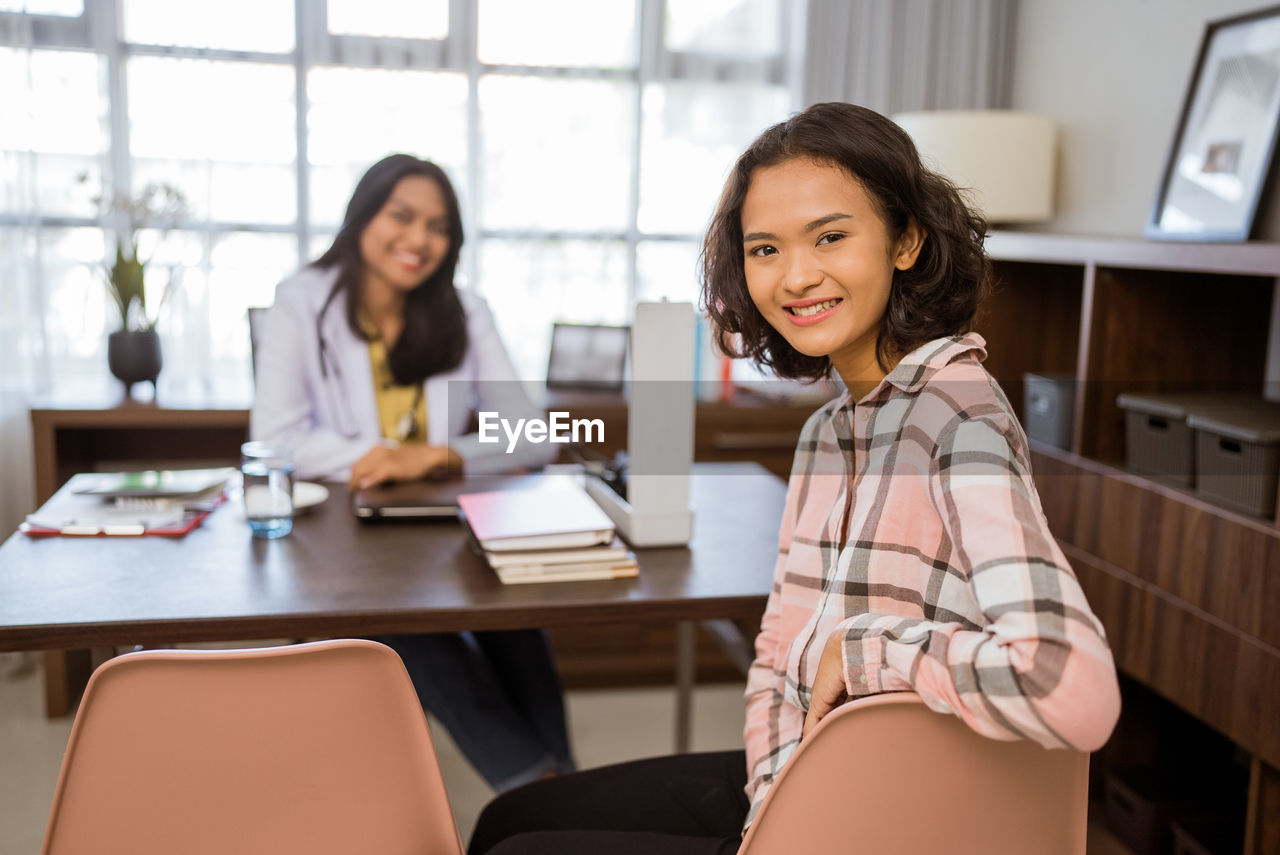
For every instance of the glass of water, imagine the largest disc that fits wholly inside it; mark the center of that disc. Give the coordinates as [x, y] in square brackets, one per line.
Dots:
[267, 469]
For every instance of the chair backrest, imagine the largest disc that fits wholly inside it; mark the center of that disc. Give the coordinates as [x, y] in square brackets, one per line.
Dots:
[257, 318]
[318, 748]
[887, 774]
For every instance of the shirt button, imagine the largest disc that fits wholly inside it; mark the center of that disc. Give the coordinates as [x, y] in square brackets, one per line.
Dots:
[862, 678]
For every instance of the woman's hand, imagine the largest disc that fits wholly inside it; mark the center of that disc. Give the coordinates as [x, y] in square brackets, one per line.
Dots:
[828, 685]
[404, 463]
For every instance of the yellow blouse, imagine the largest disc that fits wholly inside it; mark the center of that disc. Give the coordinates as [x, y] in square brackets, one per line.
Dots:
[402, 410]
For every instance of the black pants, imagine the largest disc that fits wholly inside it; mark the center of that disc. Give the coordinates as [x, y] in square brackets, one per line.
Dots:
[687, 804]
[498, 694]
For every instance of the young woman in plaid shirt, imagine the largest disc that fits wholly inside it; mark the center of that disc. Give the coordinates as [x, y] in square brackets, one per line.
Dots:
[913, 553]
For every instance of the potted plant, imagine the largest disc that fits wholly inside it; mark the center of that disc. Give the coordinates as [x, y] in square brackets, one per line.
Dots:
[133, 351]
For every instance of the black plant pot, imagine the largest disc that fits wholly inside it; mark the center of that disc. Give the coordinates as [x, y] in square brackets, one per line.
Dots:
[134, 357]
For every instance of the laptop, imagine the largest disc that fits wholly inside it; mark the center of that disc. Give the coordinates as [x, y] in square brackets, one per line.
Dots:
[429, 499]
[588, 356]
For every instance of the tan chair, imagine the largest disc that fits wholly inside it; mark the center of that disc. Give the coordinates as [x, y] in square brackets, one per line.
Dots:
[887, 774]
[317, 748]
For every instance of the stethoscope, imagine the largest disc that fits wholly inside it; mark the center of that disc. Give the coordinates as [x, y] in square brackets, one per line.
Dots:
[406, 425]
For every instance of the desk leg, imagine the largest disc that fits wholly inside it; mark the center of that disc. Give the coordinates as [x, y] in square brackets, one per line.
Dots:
[685, 641]
[1262, 823]
[65, 675]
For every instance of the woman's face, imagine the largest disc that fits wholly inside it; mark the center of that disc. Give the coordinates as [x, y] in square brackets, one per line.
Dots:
[407, 239]
[819, 261]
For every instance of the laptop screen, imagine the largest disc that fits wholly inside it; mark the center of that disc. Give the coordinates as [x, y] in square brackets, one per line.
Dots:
[588, 356]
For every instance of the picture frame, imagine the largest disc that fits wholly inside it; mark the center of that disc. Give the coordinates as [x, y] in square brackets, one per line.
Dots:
[1223, 150]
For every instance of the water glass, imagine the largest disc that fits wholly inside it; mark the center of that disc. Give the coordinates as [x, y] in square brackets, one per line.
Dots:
[267, 469]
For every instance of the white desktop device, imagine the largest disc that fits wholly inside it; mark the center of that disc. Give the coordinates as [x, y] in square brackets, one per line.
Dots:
[659, 430]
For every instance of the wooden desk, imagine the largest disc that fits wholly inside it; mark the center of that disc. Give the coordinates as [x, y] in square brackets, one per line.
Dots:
[335, 576]
[97, 430]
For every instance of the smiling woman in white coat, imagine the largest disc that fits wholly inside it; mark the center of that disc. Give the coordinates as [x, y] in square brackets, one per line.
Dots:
[370, 364]
[316, 379]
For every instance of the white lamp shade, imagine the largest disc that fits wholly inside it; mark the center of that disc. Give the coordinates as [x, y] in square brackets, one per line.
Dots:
[1005, 158]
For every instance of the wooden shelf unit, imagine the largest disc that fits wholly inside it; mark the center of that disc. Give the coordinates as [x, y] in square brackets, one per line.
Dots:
[1189, 591]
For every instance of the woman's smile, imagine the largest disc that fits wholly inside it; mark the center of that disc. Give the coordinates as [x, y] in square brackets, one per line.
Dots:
[412, 260]
[809, 312]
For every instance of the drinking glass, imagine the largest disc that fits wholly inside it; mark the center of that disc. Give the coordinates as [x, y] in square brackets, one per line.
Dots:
[267, 469]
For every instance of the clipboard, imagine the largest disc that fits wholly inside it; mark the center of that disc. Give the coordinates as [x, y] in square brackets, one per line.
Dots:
[180, 528]
[72, 512]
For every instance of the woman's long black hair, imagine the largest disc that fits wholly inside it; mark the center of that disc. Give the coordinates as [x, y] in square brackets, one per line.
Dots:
[434, 338]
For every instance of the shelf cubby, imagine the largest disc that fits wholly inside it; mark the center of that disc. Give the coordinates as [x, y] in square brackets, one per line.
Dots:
[1169, 330]
[1031, 322]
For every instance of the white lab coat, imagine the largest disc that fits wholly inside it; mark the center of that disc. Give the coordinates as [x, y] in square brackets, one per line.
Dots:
[331, 422]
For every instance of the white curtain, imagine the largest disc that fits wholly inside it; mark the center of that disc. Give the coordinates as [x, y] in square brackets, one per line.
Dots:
[22, 344]
[895, 55]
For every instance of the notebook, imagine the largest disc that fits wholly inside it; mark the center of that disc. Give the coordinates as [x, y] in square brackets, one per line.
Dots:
[427, 499]
[613, 551]
[625, 568]
[550, 516]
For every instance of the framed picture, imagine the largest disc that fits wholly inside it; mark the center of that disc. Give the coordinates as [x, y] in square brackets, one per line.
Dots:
[1222, 152]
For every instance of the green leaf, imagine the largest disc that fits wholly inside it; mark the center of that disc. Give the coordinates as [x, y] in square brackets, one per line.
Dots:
[125, 282]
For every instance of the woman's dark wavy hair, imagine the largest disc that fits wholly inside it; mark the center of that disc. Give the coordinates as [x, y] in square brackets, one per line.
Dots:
[938, 296]
[434, 338]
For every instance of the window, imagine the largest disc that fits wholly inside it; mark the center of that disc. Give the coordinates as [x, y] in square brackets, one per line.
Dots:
[52, 129]
[587, 167]
[241, 25]
[388, 105]
[555, 153]
[223, 132]
[423, 19]
[549, 33]
[64, 8]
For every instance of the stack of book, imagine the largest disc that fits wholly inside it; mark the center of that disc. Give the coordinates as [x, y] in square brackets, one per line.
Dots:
[546, 534]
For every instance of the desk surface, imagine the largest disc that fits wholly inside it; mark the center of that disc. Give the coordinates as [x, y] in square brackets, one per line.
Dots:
[335, 576]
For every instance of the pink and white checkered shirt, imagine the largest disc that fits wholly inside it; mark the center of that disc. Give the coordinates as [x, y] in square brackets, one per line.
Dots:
[912, 528]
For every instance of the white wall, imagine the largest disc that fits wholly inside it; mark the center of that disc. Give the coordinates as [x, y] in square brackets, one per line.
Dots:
[1113, 74]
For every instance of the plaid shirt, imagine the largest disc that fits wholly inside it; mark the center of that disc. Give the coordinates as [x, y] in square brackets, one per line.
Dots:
[912, 528]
